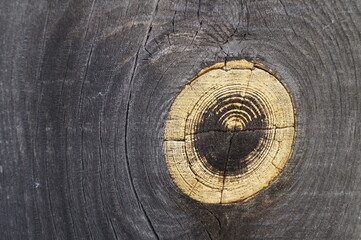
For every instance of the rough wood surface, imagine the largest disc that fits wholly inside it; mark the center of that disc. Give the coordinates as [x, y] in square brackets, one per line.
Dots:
[85, 88]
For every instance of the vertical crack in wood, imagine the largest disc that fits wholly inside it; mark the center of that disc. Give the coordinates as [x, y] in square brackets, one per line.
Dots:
[199, 12]
[89, 17]
[150, 26]
[248, 16]
[217, 219]
[288, 17]
[126, 148]
[225, 166]
[127, 120]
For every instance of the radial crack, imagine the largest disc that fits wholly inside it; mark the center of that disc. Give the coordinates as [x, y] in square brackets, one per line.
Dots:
[225, 166]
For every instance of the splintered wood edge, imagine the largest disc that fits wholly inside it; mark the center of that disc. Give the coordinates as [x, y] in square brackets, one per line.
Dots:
[195, 180]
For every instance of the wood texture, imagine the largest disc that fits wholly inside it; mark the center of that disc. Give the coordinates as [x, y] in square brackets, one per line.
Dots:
[229, 133]
[85, 88]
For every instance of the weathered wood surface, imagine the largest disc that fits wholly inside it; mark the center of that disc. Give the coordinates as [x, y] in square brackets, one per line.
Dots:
[85, 90]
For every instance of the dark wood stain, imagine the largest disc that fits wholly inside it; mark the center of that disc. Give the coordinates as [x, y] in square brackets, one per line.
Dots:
[226, 149]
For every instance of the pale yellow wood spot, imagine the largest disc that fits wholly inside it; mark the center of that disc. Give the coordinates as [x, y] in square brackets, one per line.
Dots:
[237, 96]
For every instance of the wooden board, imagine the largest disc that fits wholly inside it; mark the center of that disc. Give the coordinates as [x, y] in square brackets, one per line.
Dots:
[85, 90]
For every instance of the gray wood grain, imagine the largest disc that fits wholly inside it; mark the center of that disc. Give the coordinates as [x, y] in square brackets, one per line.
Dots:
[85, 87]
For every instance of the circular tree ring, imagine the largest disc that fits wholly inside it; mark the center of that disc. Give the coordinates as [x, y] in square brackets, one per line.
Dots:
[229, 133]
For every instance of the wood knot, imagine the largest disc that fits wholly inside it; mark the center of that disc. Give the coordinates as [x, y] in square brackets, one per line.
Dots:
[229, 133]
